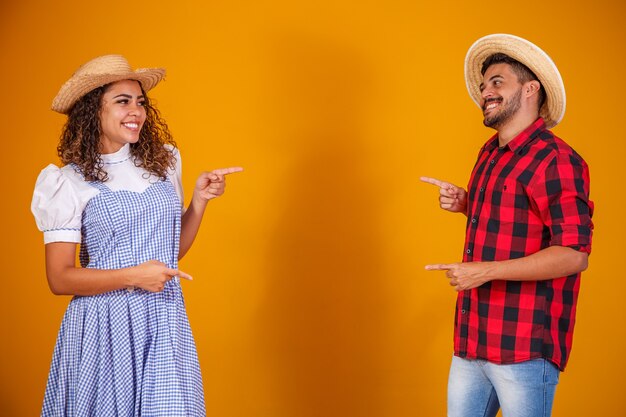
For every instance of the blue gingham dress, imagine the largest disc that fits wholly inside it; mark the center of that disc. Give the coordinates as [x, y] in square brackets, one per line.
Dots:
[127, 353]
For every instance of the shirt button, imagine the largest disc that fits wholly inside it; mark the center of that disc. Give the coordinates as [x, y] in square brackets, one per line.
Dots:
[468, 251]
[473, 219]
[463, 311]
[482, 189]
[493, 161]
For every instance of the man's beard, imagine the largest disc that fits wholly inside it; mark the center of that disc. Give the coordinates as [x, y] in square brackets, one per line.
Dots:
[505, 114]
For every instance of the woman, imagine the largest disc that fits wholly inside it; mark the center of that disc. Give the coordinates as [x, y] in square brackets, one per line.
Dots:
[125, 347]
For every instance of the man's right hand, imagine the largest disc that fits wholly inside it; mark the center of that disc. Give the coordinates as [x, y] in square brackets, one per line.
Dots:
[451, 197]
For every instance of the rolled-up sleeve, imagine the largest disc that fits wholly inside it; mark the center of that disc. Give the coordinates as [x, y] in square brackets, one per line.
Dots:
[562, 196]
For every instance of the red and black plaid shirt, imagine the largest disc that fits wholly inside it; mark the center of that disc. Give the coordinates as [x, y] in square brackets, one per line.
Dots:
[526, 196]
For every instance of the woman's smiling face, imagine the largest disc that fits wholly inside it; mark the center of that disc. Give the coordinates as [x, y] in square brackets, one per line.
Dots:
[122, 115]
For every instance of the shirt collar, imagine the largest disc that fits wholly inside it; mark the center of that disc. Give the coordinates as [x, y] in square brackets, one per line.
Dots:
[116, 157]
[517, 142]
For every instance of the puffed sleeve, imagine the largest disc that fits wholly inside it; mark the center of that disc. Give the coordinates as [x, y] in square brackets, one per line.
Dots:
[176, 176]
[58, 203]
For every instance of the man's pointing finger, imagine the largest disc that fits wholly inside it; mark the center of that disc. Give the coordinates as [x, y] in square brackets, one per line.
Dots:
[435, 181]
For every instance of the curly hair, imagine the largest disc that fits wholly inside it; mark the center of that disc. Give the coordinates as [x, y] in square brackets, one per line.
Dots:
[80, 139]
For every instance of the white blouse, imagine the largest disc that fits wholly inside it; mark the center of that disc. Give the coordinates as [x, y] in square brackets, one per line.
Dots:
[61, 194]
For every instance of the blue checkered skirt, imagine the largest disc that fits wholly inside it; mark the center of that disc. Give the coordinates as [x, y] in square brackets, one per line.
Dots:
[127, 353]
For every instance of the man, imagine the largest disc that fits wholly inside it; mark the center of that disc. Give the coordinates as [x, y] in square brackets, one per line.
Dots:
[528, 236]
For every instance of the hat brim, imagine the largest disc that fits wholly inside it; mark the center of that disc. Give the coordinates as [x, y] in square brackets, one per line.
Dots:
[76, 87]
[528, 54]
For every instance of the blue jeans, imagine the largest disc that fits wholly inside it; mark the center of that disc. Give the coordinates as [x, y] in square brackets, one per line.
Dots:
[477, 388]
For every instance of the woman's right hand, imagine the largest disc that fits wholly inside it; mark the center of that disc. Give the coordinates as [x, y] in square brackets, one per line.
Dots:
[153, 275]
[65, 278]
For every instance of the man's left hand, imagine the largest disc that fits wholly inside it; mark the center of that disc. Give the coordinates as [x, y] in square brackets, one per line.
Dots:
[465, 275]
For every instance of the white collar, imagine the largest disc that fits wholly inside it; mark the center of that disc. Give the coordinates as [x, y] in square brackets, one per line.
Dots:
[116, 157]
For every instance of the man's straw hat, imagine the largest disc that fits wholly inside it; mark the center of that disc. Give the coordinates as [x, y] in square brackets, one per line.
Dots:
[528, 54]
[101, 71]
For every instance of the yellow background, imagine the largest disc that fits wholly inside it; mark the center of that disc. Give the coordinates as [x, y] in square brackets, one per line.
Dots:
[310, 298]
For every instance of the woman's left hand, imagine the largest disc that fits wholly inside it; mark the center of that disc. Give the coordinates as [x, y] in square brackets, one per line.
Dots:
[211, 184]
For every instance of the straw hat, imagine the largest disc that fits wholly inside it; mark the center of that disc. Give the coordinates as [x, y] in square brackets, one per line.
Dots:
[528, 54]
[101, 71]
